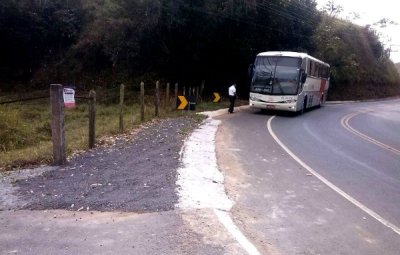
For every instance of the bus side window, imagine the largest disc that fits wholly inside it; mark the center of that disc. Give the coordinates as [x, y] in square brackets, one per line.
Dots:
[321, 67]
[315, 69]
[321, 71]
[312, 67]
[303, 64]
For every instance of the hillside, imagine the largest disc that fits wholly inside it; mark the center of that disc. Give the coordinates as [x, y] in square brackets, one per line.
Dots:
[397, 65]
[360, 66]
[103, 43]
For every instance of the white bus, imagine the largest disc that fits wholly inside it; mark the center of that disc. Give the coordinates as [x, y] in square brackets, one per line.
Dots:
[288, 81]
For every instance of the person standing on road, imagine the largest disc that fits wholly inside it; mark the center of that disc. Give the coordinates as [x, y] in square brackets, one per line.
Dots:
[232, 97]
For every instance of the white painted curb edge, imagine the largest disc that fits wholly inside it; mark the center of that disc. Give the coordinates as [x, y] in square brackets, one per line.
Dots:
[201, 184]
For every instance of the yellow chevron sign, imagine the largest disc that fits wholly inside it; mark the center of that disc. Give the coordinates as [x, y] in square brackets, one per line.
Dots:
[217, 98]
[183, 104]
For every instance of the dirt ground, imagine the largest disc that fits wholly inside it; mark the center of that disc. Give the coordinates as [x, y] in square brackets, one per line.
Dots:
[136, 174]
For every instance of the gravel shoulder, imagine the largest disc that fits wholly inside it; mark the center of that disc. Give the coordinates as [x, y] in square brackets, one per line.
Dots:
[136, 174]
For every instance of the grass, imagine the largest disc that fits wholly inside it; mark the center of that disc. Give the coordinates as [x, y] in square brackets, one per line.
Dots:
[25, 128]
[15, 180]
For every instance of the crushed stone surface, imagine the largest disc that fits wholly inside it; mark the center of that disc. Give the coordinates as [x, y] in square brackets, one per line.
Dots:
[137, 174]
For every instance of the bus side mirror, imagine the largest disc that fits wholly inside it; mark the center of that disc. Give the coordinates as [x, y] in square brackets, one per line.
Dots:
[303, 77]
[250, 70]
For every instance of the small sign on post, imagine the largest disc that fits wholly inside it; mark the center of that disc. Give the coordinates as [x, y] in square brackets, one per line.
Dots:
[69, 97]
[181, 103]
[186, 103]
[217, 98]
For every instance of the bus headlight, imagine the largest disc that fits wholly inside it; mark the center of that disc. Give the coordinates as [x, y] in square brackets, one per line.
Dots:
[254, 99]
[291, 101]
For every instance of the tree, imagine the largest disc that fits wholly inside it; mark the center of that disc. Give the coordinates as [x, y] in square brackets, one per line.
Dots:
[34, 32]
[332, 9]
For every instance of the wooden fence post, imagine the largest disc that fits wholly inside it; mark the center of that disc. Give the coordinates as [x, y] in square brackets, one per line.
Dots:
[92, 118]
[176, 94]
[57, 124]
[157, 101]
[121, 108]
[141, 101]
[202, 88]
[167, 97]
[184, 90]
[197, 93]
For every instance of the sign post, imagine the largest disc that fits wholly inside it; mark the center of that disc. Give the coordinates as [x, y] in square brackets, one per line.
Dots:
[57, 124]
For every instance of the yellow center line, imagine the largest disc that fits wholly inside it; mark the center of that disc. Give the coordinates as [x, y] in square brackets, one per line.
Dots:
[345, 123]
[331, 185]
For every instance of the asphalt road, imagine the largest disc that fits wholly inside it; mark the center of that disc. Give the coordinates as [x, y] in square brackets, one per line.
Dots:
[286, 209]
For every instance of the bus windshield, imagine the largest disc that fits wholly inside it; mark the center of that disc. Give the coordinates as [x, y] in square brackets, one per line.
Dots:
[276, 75]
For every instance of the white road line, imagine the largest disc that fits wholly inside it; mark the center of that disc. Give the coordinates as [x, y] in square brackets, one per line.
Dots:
[331, 185]
[226, 220]
[202, 184]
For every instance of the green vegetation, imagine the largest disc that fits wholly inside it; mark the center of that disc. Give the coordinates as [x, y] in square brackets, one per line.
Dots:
[360, 66]
[95, 43]
[15, 180]
[397, 65]
[211, 106]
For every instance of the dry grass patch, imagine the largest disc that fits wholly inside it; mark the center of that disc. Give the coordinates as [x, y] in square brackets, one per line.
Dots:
[25, 128]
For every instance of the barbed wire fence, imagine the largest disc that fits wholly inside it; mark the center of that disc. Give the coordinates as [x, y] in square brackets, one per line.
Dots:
[142, 98]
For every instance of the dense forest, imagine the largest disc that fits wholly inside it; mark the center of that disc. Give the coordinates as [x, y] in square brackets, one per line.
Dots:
[102, 43]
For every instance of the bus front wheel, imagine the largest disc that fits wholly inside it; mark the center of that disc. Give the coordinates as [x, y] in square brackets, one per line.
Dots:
[304, 106]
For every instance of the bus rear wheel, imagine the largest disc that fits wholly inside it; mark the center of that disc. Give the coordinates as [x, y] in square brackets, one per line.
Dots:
[320, 101]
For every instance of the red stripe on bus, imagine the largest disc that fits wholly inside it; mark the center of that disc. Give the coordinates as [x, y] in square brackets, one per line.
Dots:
[322, 88]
